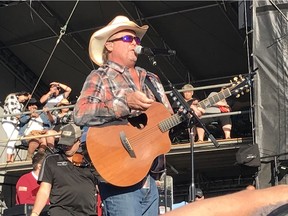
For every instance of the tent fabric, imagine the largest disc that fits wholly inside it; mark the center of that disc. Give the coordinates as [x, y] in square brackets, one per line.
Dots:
[270, 45]
[204, 34]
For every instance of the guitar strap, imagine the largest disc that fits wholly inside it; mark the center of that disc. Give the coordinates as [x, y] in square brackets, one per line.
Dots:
[153, 89]
[159, 164]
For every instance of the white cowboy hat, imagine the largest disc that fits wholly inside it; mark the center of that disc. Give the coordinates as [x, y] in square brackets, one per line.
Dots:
[99, 38]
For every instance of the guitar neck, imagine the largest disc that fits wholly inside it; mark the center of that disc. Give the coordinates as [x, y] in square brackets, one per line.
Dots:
[176, 119]
[210, 101]
[170, 122]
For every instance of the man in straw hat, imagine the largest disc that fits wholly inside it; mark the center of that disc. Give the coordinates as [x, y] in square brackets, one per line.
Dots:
[115, 91]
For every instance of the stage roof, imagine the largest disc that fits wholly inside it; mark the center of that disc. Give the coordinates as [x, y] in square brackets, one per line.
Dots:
[206, 35]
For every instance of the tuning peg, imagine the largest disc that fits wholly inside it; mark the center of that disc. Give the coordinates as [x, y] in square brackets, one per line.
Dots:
[235, 79]
[238, 95]
[247, 90]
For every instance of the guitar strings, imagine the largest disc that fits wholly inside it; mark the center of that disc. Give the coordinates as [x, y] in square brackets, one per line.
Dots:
[143, 135]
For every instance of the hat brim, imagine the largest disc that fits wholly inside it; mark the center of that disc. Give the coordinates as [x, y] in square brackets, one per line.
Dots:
[66, 141]
[99, 38]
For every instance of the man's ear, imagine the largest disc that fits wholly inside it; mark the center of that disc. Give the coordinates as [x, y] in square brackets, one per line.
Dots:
[109, 46]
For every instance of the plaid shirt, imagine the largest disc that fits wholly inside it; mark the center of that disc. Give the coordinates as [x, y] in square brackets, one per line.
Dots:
[12, 106]
[103, 97]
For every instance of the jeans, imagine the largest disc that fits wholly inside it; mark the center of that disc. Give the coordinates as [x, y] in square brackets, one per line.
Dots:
[130, 201]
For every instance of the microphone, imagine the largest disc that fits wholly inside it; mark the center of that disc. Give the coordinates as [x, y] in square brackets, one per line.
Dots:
[153, 51]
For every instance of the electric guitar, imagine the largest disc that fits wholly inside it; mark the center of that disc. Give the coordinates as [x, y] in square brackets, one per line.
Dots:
[123, 152]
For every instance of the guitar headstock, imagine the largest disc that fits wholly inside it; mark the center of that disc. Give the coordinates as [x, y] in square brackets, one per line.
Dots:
[240, 85]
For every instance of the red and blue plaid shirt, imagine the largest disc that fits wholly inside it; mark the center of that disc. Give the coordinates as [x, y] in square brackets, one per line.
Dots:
[103, 96]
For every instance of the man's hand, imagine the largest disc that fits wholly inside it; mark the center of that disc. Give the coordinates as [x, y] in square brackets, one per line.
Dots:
[197, 110]
[46, 109]
[138, 101]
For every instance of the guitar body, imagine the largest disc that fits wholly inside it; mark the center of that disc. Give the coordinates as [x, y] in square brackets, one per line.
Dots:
[109, 146]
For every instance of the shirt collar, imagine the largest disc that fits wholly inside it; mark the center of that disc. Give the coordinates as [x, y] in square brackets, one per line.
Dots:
[34, 175]
[116, 66]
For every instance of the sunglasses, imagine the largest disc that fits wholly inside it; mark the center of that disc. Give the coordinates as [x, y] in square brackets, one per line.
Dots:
[127, 38]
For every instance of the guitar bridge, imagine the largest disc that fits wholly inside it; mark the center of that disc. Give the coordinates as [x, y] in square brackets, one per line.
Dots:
[127, 145]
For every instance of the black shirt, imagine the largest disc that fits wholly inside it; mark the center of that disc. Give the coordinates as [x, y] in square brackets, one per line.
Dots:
[73, 189]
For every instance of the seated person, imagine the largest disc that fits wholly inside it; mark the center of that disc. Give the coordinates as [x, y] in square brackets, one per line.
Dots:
[62, 116]
[36, 124]
[27, 186]
[225, 121]
[180, 131]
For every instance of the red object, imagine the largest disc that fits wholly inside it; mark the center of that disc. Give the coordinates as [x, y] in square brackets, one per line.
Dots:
[224, 109]
[99, 208]
[26, 189]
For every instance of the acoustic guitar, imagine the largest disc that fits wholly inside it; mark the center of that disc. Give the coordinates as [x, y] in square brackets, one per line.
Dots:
[123, 152]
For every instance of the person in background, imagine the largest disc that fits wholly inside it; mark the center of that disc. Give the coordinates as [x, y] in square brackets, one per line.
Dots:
[27, 186]
[62, 116]
[188, 93]
[54, 95]
[13, 105]
[118, 90]
[180, 133]
[225, 121]
[35, 124]
[72, 187]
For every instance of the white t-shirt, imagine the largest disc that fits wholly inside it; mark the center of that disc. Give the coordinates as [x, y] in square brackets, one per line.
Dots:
[53, 101]
[34, 124]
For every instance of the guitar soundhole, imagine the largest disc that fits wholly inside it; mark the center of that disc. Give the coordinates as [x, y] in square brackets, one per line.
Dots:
[139, 122]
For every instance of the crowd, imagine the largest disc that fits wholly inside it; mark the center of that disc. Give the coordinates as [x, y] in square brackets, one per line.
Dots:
[111, 95]
[42, 126]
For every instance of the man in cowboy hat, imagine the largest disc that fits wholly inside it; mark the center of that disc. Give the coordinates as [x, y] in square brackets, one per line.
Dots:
[115, 91]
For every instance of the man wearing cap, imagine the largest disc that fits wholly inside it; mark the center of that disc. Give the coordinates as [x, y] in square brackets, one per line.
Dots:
[118, 90]
[71, 188]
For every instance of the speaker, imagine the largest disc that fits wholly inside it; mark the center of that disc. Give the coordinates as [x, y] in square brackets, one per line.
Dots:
[248, 155]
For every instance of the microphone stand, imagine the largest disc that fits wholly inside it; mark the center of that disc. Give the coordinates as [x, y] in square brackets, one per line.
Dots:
[192, 118]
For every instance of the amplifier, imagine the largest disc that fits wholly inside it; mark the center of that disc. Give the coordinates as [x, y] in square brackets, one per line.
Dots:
[23, 210]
